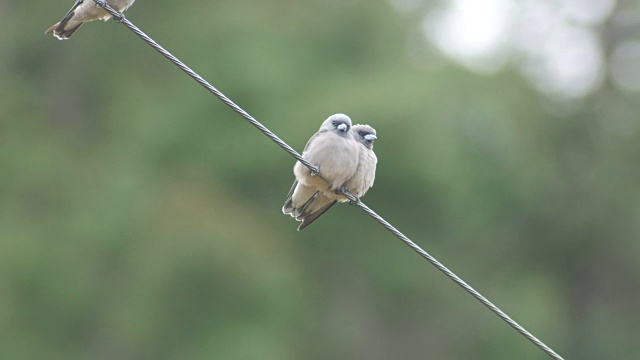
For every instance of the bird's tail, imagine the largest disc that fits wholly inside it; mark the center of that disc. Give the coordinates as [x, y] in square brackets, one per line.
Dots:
[288, 208]
[316, 205]
[60, 32]
[297, 212]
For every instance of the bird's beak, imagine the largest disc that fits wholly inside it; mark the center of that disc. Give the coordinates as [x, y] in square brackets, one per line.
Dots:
[342, 127]
[370, 137]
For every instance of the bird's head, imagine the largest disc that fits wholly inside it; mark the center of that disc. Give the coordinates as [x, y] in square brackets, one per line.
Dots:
[364, 134]
[339, 123]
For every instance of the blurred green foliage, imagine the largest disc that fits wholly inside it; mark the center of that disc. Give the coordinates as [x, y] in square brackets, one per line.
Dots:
[140, 217]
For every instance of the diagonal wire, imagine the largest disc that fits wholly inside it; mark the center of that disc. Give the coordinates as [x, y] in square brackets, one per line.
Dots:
[454, 277]
[120, 18]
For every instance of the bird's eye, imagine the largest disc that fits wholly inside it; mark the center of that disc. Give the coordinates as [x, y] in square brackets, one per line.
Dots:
[333, 122]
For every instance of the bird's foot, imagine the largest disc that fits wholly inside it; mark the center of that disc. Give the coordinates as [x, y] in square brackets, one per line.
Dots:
[342, 191]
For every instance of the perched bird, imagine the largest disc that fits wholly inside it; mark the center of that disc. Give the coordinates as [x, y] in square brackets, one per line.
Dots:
[84, 11]
[365, 173]
[334, 150]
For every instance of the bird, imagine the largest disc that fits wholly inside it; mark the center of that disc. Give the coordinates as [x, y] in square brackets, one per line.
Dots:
[365, 173]
[334, 151]
[84, 11]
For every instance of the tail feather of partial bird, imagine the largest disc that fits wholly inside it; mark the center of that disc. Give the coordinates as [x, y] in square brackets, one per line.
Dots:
[59, 29]
[61, 33]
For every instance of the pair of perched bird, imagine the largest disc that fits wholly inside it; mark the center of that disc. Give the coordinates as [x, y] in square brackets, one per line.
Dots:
[346, 161]
[343, 153]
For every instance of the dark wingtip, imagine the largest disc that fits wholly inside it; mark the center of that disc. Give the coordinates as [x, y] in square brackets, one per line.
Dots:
[307, 220]
[303, 225]
[64, 34]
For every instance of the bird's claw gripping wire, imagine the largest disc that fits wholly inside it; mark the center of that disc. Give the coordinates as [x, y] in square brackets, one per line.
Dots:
[316, 171]
[353, 200]
[103, 4]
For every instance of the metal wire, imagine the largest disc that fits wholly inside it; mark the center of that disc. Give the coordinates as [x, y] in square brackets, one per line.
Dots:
[120, 18]
[454, 277]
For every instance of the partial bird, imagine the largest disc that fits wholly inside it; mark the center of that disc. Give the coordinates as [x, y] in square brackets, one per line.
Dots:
[365, 173]
[84, 11]
[334, 150]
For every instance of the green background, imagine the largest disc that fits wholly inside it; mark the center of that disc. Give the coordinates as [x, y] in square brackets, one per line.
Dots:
[140, 217]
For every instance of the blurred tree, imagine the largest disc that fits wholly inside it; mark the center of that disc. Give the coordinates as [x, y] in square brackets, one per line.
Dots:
[140, 218]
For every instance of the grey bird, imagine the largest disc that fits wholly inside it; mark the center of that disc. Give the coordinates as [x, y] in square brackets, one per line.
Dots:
[365, 173]
[84, 11]
[334, 150]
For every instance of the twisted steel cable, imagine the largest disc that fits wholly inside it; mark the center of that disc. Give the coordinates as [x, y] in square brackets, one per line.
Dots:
[119, 17]
[455, 278]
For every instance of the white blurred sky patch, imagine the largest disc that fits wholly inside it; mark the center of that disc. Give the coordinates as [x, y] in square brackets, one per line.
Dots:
[474, 33]
[553, 43]
[567, 60]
